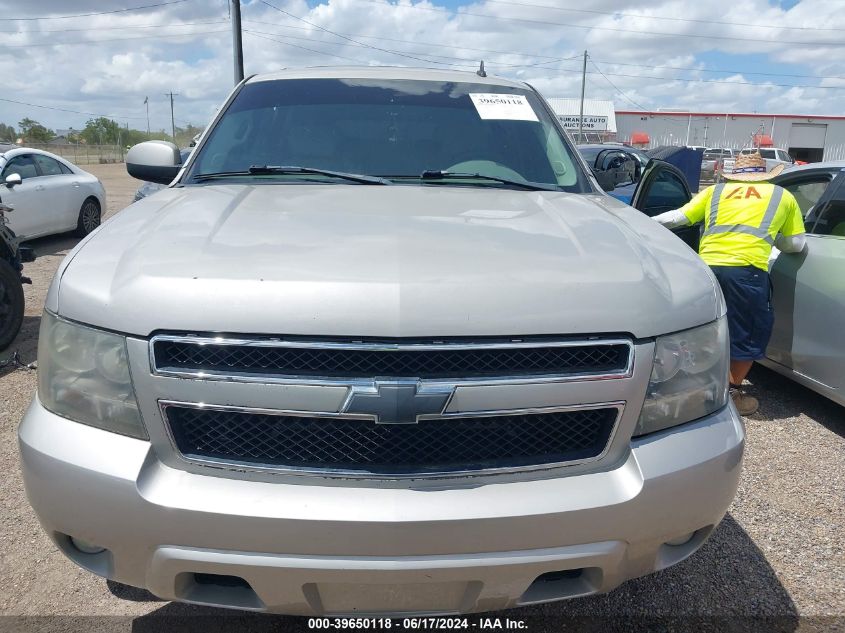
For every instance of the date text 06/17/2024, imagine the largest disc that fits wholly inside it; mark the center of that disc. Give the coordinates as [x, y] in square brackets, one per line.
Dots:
[417, 623]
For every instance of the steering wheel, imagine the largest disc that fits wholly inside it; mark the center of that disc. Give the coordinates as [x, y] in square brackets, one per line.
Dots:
[486, 168]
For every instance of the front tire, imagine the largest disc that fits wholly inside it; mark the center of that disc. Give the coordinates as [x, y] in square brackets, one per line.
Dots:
[89, 219]
[11, 304]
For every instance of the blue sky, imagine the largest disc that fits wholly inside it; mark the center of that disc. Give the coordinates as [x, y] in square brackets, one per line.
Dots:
[645, 54]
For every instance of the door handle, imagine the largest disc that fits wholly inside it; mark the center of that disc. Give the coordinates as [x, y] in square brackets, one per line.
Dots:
[39, 187]
[75, 183]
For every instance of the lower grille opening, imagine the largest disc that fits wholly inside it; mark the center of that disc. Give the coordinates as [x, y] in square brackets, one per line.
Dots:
[220, 580]
[217, 589]
[443, 445]
[559, 585]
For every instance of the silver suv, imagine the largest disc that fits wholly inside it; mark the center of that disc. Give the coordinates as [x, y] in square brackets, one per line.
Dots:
[383, 346]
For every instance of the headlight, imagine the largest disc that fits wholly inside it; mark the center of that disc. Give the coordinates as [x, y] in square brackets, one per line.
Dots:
[689, 378]
[83, 375]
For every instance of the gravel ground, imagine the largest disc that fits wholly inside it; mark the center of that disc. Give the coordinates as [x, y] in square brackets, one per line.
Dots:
[778, 554]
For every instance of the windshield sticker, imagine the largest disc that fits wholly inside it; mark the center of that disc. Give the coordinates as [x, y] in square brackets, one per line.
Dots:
[497, 106]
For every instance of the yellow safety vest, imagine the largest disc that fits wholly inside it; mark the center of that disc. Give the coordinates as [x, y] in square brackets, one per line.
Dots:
[742, 220]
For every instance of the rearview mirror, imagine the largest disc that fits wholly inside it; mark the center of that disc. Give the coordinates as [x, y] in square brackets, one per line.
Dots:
[154, 161]
[13, 179]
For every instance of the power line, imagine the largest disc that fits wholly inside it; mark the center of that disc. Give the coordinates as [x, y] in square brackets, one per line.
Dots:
[305, 48]
[722, 70]
[471, 62]
[720, 81]
[114, 39]
[84, 15]
[658, 17]
[551, 58]
[112, 28]
[607, 28]
[36, 105]
[376, 48]
[616, 88]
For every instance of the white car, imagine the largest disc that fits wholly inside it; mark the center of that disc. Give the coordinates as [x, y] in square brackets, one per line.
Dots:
[48, 194]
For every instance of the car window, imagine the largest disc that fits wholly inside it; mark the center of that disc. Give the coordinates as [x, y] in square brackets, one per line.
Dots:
[393, 128]
[22, 165]
[807, 191]
[784, 156]
[831, 220]
[48, 166]
[65, 168]
[666, 192]
[768, 153]
[590, 154]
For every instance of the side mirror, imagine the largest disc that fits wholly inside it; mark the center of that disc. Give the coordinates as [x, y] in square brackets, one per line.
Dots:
[154, 161]
[13, 179]
[607, 179]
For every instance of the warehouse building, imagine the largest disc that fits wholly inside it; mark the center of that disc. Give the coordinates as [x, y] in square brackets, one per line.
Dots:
[599, 118]
[809, 138]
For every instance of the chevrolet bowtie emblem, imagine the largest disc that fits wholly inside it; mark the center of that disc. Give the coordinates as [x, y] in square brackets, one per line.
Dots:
[396, 402]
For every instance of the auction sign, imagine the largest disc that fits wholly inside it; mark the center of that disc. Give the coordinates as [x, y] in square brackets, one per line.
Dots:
[592, 123]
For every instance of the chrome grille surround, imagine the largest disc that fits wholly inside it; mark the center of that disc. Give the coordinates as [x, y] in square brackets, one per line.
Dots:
[355, 387]
[622, 368]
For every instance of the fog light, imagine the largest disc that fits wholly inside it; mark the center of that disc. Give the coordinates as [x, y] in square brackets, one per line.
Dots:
[85, 547]
[681, 540]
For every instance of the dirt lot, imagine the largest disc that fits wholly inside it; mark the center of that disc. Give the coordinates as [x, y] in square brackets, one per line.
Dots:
[778, 554]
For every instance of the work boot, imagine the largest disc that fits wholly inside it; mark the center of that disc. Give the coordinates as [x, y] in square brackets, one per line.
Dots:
[745, 404]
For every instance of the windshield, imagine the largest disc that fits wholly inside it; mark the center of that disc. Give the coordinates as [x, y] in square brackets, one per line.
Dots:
[389, 128]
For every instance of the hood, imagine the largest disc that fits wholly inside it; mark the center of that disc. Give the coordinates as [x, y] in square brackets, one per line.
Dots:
[383, 261]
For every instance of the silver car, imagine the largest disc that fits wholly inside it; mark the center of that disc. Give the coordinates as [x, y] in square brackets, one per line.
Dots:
[808, 299]
[383, 346]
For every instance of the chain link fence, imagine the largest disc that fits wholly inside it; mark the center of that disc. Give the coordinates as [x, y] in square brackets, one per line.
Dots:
[84, 154]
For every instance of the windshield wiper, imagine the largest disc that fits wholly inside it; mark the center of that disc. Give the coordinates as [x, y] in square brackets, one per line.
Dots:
[260, 170]
[433, 174]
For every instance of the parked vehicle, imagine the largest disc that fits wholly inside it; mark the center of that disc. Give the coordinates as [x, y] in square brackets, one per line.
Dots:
[617, 167]
[149, 188]
[49, 194]
[392, 351]
[808, 290]
[711, 163]
[12, 258]
[773, 156]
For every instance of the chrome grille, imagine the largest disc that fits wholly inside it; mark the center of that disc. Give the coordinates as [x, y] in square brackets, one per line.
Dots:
[386, 359]
[363, 447]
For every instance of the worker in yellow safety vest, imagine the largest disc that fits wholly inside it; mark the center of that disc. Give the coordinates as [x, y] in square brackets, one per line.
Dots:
[743, 218]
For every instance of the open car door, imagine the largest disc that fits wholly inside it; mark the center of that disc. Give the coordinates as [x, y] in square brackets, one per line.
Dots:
[663, 187]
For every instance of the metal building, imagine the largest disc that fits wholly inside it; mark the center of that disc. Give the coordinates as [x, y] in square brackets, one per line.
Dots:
[599, 118]
[806, 137]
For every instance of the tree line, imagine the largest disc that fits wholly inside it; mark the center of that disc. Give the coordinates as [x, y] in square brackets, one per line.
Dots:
[97, 131]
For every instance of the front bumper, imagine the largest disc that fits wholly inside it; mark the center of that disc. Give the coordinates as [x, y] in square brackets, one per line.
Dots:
[323, 548]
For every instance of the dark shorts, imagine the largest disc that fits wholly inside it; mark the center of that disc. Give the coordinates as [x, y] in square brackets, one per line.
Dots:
[748, 295]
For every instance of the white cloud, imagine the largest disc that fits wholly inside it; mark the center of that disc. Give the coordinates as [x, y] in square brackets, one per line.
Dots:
[122, 62]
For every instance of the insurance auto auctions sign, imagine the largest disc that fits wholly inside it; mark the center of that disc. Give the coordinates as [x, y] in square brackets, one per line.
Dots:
[597, 123]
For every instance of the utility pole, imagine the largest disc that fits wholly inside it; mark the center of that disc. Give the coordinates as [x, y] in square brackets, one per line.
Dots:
[147, 105]
[583, 88]
[237, 43]
[172, 94]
